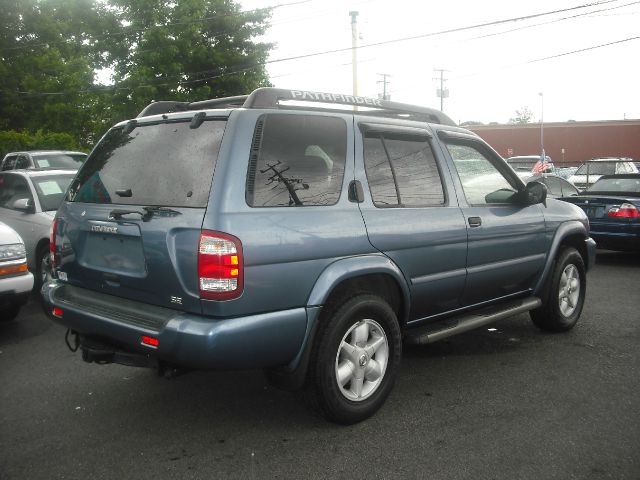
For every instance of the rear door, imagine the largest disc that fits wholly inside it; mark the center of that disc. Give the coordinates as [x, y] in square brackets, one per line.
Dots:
[411, 213]
[131, 223]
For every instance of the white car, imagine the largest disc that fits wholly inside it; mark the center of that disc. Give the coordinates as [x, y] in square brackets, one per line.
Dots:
[16, 281]
[590, 171]
[28, 203]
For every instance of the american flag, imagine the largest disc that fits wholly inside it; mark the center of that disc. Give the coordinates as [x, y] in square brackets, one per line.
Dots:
[540, 166]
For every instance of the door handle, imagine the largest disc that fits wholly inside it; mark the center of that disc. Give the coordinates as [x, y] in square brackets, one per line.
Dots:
[475, 221]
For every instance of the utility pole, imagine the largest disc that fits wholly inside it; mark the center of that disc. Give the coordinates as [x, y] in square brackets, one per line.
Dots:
[384, 82]
[542, 155]
[441, 92]
[354, 47]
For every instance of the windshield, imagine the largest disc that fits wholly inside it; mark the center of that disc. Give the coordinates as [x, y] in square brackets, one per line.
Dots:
[51, 190]
[597, 168]
[616, 185]
[158, 164]
[59, 160]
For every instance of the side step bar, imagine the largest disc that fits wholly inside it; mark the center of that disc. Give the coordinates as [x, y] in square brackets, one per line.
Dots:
[452, 326]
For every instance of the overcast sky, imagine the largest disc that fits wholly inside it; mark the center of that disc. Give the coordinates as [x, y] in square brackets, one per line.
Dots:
[491, 71]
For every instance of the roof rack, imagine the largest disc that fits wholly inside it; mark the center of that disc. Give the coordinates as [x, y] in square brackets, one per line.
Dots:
[269, 97]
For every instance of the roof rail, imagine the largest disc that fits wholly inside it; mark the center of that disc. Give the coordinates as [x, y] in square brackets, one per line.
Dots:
[268, 97]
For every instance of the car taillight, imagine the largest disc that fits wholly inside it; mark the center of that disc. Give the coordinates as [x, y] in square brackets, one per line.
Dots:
[52, 243]
[626, 210]
[220, 266]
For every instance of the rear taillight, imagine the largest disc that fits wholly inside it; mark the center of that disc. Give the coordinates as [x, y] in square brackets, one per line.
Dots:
[626, 210]
[220, 266]
[52, 243]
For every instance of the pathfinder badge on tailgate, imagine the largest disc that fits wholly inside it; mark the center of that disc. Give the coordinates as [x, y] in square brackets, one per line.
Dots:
[104, 229]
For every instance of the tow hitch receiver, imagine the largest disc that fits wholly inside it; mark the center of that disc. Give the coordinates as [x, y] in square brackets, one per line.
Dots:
[102, 353]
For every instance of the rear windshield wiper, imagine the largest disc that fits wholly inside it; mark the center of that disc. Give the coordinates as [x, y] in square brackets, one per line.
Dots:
[147, 215]
[117, 213]
[160, 211]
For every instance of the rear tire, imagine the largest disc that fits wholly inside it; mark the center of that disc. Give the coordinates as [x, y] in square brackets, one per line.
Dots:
[43, 268]
[564, 294]
[355, 360]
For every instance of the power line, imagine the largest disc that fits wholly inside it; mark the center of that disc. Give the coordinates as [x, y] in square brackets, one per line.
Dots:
[326, 52]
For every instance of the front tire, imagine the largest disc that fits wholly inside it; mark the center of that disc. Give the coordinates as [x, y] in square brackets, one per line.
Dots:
[356, 359]
[564, 294]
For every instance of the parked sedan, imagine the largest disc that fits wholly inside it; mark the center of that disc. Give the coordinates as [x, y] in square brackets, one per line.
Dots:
[28, 202]
[15, 279]
[613, 207]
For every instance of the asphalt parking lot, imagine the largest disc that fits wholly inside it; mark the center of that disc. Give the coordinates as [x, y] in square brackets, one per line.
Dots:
[508, 403]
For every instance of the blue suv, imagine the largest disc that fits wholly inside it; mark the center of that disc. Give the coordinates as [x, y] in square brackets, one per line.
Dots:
[306, 233]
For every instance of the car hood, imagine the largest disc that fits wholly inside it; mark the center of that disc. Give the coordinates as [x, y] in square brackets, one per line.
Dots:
[8, 235]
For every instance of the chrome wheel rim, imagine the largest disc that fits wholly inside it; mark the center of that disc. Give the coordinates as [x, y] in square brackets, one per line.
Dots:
[569, 291]
[362, 360]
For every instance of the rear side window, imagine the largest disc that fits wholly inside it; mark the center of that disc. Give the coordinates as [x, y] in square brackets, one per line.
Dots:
[22, 162]
[9, 163]
[296, 160]
[163, 164]
[402, 172]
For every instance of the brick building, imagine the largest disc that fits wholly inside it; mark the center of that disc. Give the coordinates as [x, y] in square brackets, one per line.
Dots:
[567, 143]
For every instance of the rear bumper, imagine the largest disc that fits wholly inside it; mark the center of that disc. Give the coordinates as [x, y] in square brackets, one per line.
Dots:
[629, 240]
[187, 340]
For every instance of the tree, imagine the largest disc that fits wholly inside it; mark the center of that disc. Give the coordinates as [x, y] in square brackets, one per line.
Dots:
[189, 50]
[47, 64]
[524, 115]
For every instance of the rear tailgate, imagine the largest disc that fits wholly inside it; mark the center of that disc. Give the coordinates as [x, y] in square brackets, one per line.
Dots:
[131, 224]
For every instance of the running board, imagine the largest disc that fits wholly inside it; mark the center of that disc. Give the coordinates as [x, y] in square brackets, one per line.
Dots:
[454, 325]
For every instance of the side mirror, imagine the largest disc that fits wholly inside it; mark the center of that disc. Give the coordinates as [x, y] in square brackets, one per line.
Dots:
[535, 192]
[24, 205]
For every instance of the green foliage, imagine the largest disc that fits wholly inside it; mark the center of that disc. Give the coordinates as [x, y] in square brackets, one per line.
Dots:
[524, 115]
[51, 50]
[12, 141]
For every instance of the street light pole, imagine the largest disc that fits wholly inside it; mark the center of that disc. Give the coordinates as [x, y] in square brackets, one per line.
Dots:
[543, 156]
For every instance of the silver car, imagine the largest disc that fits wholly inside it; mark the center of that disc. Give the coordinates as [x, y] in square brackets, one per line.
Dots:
[16, 281]
[28, 202]
[50, 159]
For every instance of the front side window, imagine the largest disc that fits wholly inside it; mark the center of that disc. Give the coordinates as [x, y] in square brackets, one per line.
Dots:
[296, 160]
[22, 162]
[481, 181]
[13, 188]
[158, 164]
[402, 172]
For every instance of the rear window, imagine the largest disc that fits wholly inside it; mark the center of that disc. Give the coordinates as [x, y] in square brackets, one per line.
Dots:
[59, 160]
[162, 164]
[618, 184]
[597, 168]
[51, 190]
